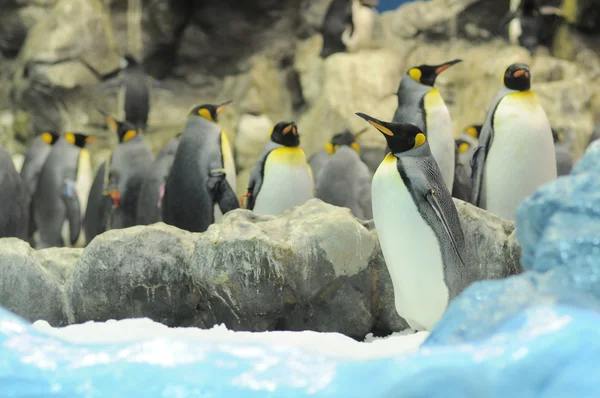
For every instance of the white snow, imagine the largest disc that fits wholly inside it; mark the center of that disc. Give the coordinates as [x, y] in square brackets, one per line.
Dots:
[333, 345]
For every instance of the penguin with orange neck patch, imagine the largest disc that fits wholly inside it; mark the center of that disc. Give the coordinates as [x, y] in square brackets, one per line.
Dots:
[282, 178]
[201, 185]
[418, 226]
[420, 104]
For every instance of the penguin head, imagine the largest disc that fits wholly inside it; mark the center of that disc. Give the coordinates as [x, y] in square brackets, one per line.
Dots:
[79, 139]
[474, 131]
[558, 137]
[208, 111]
[369, 3]
[125, 130]
[345, 138]
[426, 74]
[462, 145]
[400, 137]
[517, 77]
[50, 137]
[286, 134]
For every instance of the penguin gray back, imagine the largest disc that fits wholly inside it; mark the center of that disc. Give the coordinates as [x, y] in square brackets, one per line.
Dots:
[410, 103]
[136, 93]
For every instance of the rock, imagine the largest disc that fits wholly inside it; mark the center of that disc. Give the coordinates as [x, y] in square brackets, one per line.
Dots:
[17, 18]
[27, 288]
[252, 135]
[132, 273]
[59, 262]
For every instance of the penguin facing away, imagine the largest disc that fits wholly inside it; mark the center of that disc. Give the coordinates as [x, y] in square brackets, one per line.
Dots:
[149, 207]
[60, 199]
[320, 158]
[466, 146]
[134, 97]
[421, 104]
[282, 178]
[345, 180]
[418, 227]
[516, 151]
[14, 213]
[35, 157]
[200, 186]
[564, 161]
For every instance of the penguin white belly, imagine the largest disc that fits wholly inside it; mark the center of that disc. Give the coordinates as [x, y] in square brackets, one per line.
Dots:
[287, 182]
[521, 157]
[229, 166]
[85, 178]
[440, 136]
[410, 248]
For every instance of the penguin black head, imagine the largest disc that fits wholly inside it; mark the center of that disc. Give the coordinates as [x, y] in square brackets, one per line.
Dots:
[474, 130]
[50, 137]
[426, 74]
[344, 138]
[79, 139]
[209, 112]
[369, 3]
[125, 130]
[518, 77]
[400, 137]
[286, 134]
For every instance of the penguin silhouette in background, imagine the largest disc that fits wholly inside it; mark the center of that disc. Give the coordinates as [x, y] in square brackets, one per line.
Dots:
[421, 104]
[595, 135]
[344, 180]
[282, 178]
[134, 96]
[319, 158]
[200, 186]
[516, 152]
[35, 157]
[338, 23]
[14, 214]
[418, 227]
[564, 160]
[61, 196]
[466, 145]
[149, 208]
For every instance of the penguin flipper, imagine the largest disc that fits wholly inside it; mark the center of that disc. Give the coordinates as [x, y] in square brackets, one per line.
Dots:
[221, 191]
[433, 202]
[73, 210]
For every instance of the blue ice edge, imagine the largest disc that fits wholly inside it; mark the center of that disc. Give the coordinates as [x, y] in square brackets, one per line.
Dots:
[535, 334]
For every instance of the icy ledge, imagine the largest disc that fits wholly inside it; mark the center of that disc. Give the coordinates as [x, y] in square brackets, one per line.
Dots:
[534, 334]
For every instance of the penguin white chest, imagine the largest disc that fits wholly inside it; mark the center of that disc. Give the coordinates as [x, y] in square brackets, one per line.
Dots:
[521, 157]
[83, 184]
[287, 182]
[229, 167]
[410, 248]
[439, 135]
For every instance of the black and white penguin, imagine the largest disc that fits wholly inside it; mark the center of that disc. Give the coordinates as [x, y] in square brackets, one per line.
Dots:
[35, 157]
[421, 104]
[466, 145]
[134, 96]
[318, 159]
[516, 151]
[14, 215]
[201, 185]
[339, 24]
[282, 178]
[345, 180]
[418, 227]
[149, 208]
[60, 199]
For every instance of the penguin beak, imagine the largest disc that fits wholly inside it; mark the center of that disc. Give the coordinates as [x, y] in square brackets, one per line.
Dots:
[445, 66]
[361, 132]
[378, 124]
[91, 138]
[290, 127]
[521, 72]
[222, 106]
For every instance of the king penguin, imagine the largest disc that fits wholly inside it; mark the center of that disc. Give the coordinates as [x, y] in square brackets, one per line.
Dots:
[149, 207]
[466, 145]
[421, 104]
[564, 160]
[282, 178]
[134, 96]
[516, 150]
[345, 180]
[418, 227]
[320, 158]
[200, 186]
[35, 157]
[60, 199]
[14, 213]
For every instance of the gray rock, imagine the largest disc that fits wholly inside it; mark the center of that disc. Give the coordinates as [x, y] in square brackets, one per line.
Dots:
[26, 288]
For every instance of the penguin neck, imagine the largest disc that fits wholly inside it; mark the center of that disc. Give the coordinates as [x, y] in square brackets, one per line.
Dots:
[421, 151]
[411, 91]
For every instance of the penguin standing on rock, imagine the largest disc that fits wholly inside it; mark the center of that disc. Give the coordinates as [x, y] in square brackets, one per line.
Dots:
[421, 104]
[35, 157]
[134, 97]
[516, 151]
[344, 180]
[282, 178]
[418, 226]
[200, 186]
[60, 199]
[14, 213]
[149, 207]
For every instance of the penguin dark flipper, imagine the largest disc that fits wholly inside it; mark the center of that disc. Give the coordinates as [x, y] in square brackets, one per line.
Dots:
[431, 198]
[222, 192]
[73, 210]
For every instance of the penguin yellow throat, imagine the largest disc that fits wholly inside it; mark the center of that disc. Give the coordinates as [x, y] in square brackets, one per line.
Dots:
[292, 156]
